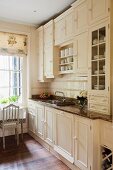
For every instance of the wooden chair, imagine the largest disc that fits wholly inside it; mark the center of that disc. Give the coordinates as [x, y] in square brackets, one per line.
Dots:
[10, 120]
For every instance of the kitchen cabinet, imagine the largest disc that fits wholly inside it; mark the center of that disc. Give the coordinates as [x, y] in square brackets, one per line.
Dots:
[69, 29]
[99, 68]
[80, 49]
[64, 27]
[49, 128]
[40, 35]
[64, 135]
[50, 52]
[59, 31]
[82, 142]
[80, 9]
[106, 145]
[31, 117]
[106, 131]
[45, 118]
[98, 10]
[40, 121]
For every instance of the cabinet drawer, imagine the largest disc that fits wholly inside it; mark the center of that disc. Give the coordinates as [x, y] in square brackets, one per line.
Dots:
[98, 108]
[101, 99]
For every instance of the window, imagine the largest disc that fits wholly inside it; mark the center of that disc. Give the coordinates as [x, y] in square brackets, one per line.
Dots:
[11, 70]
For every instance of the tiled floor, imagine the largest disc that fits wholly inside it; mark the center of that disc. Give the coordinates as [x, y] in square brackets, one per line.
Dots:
[30, 155]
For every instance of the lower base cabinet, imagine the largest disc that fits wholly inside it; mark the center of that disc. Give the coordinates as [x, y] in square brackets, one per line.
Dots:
[49, 129]
[82, 142]
[44, 119]
[40, 120]
[64, 135]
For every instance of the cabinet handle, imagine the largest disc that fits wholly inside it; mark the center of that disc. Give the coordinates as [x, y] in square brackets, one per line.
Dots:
[75, 138]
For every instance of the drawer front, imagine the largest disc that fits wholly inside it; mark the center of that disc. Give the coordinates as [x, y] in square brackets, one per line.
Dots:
[98, 108]
[98, 99]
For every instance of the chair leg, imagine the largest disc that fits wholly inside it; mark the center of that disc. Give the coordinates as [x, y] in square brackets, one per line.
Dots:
[17, 136]
[15, 133]
[3, 138]
[22, 130]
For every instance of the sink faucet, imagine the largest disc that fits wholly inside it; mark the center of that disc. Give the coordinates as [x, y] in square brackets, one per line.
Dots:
[60, 92]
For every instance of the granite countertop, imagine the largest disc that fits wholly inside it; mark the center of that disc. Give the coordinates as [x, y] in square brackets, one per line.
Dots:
[74, 109]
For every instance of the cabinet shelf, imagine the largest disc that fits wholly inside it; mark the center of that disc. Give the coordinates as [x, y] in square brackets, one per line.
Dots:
[100, 43]
[66, 72]
[99, 59]
[98, 75]
[66, 56]
[66, 64]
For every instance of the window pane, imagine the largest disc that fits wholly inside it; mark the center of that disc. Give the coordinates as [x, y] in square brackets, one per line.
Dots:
[4, 79]
[4, 62]
[15, 91]
[15, 63]
[4, 92]
[16, 79]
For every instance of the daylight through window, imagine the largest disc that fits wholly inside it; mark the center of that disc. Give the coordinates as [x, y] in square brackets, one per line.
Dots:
[11, 76]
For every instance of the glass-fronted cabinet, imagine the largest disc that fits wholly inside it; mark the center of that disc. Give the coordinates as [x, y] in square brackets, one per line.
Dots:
[99, 69]
[98, 60]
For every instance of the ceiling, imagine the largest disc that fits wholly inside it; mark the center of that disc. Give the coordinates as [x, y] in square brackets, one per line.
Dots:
[31, 12]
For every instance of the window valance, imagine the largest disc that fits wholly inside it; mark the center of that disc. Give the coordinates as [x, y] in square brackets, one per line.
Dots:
[13, 44]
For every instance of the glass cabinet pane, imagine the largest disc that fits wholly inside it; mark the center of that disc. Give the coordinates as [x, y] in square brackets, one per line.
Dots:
[98, 59]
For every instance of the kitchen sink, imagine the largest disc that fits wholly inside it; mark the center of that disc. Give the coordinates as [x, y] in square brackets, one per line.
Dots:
[60, 102]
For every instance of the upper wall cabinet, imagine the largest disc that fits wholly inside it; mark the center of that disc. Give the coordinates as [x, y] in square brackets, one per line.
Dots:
[49, 51]
[80, 16]
[80, 50]
[64, 27]
[98, 9]
[40, 35]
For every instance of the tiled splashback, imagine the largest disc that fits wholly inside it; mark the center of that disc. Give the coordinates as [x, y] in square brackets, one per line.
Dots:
[69, 84]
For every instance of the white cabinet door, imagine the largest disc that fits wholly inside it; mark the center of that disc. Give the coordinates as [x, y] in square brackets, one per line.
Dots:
[81, 18]
[82, 141]
[49, 113]
[48, 61]
[81, 51]
[59, 31]
[41, 77]
[98, 10]
[31, 116]
[48, 33]
[50, 52]
[40, 120]
[32, 122]
[69, 29]
[64, 135]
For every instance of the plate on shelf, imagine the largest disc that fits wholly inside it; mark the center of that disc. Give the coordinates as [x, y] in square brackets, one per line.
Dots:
[95, 57]
[95, 41]
[101, 72]
[101, 56]
[96, 72]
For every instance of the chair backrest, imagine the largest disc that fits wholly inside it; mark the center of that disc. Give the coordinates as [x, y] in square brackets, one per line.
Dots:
[11, 113]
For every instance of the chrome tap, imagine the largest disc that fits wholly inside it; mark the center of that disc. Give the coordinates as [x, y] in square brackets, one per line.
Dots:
[60, 92]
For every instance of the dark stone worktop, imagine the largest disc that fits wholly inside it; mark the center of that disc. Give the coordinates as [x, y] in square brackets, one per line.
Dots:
[74, 109]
